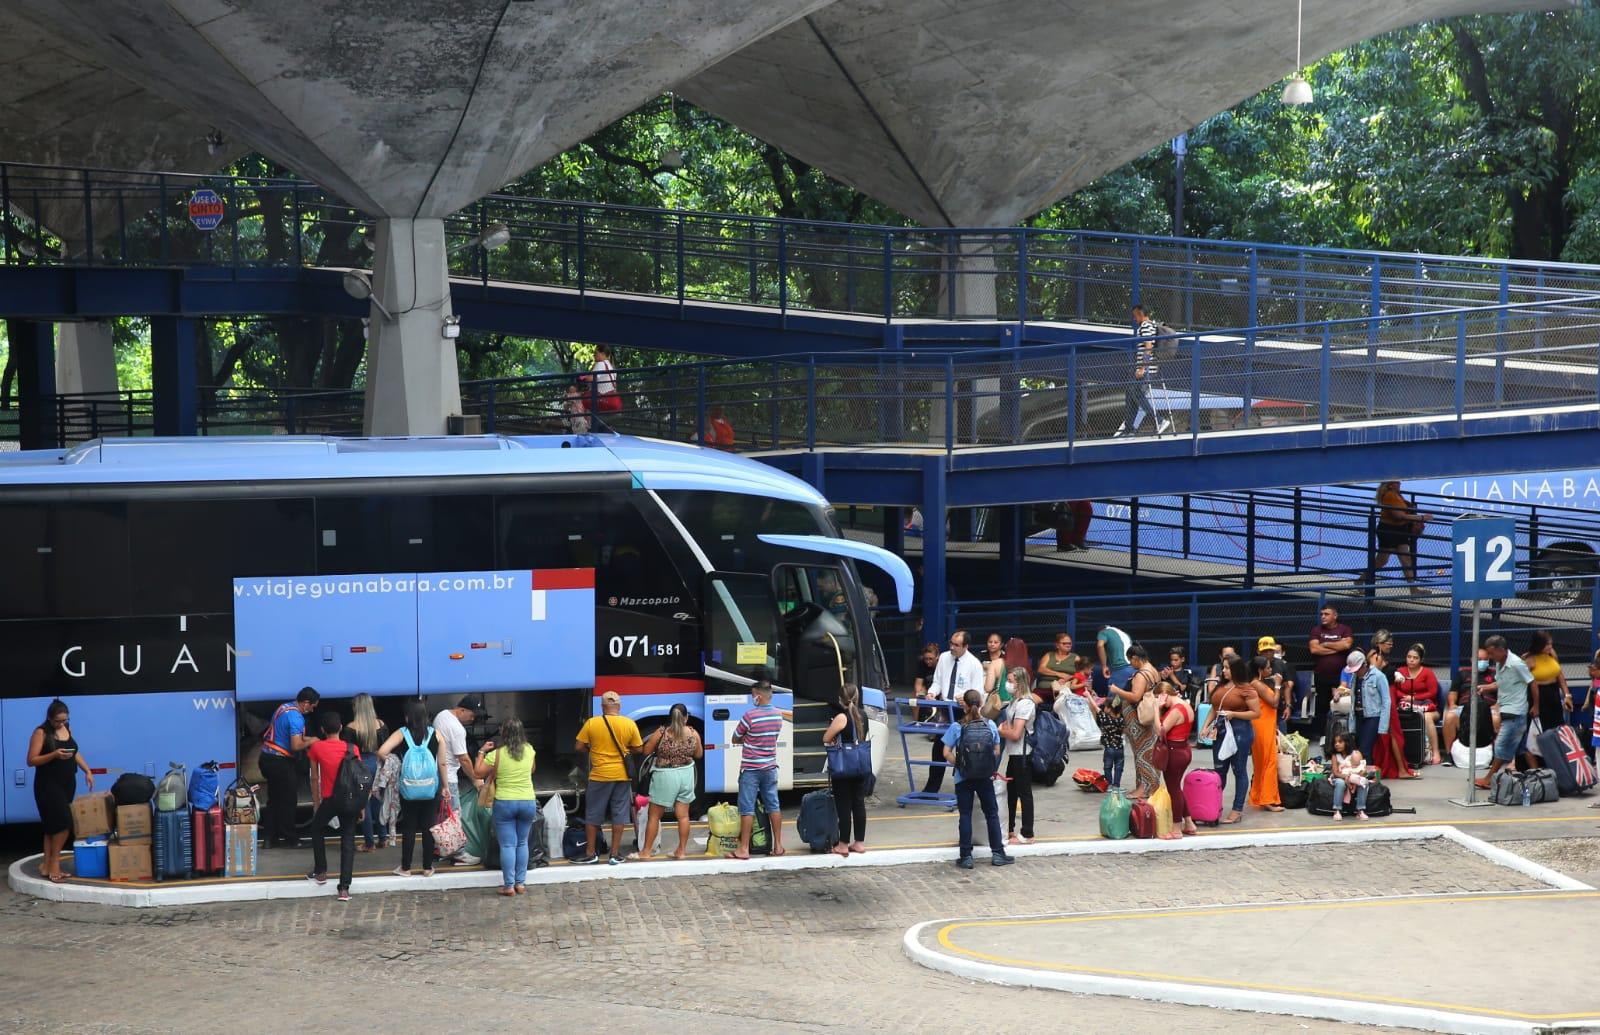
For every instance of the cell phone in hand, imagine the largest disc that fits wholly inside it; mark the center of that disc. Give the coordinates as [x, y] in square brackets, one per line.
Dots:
[70, 751]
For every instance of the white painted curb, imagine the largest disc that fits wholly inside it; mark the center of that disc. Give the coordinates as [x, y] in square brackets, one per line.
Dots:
[1353, 1011]
[187, 894]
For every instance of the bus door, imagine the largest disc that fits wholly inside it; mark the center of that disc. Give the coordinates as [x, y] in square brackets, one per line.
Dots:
[743, 643]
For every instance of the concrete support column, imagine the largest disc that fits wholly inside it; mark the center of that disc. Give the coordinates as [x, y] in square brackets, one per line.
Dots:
[33, 345]
[412, 381]
[86, 359]
[174, 375]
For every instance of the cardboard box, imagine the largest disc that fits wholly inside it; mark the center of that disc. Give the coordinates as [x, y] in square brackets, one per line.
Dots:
[131, 861]
[133, 822]
[92, 814]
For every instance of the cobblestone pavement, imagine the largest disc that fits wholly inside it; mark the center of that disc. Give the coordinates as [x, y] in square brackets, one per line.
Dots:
[780, 951]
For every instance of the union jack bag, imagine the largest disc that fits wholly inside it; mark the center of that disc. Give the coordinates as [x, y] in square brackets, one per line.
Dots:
[1577, 760]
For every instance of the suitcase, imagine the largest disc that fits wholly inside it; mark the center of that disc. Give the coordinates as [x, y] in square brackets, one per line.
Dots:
[1142, 820]
[1201, 714]
[818, 824]
[1416, 737]
[173, 850]
[210, 846]
[239, 850]
[1202, 792]
[1563, 754]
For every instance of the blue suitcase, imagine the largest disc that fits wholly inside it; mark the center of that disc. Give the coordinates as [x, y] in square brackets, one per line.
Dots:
[173, 855]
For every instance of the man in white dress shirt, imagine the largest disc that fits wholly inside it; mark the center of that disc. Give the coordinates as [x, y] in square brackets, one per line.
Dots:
[956, 672]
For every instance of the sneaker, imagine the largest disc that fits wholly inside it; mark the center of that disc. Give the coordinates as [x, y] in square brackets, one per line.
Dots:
[317, 878]
[590, 861]
[344, 894]
[1002, 860]
[965, 862]
[467, 859]
[615, 861]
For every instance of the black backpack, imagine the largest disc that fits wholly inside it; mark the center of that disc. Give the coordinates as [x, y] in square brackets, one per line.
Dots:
[975, 750]
[352, 786]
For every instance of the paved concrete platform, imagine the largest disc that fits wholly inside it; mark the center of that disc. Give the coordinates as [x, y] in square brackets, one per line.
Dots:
[1216, 956]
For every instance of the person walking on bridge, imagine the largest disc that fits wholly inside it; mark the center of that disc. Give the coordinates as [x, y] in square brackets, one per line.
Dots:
[1146, 371]
[1399, 528]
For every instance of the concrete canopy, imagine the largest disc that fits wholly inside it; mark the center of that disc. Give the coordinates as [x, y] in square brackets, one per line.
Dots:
[59, 108]
[410, 108]
[982, 112]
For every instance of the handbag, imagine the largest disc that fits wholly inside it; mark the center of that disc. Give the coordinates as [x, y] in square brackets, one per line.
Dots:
[645, 773]
[630, 762]
[486, 796]
[449, 837]
[850, 761]
[1146, 712]
[1228, 747]
[1160, 754]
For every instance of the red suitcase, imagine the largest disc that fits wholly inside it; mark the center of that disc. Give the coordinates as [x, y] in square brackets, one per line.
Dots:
[210, 841]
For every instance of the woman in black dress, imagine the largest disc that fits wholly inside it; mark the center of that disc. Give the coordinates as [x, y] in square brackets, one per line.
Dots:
[55, 759]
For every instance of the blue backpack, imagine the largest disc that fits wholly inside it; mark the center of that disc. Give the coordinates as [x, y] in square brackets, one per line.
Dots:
[419, 770]
[975, 751]
[1047, 744]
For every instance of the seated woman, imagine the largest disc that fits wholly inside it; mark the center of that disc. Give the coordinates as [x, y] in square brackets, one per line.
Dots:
[1348, 777]
[1417, 689]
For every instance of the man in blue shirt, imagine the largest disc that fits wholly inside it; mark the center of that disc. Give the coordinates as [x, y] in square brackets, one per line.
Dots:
[980, 784]
[285, 738]
[1511, 682]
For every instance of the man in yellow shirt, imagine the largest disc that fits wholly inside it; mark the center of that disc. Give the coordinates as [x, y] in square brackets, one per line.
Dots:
[605, 737]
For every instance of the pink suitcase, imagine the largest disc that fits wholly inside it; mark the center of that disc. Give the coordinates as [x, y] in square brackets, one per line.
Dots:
[1202, 792]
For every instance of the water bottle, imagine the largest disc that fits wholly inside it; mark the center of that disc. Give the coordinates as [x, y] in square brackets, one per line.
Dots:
[1526, 797]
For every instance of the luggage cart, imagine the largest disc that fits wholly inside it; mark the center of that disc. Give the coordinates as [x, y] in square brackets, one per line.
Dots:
[906, 718]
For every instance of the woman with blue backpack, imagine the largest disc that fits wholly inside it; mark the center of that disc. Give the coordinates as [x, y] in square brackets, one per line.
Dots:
[422, 769]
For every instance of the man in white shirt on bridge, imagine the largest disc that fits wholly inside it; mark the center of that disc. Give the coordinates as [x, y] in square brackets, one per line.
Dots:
[956, 672]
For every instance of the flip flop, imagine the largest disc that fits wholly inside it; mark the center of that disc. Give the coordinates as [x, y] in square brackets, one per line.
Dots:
[57, 878]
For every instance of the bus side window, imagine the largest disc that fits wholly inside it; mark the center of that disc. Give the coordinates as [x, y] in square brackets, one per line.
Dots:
[64, 560]
[185, 555]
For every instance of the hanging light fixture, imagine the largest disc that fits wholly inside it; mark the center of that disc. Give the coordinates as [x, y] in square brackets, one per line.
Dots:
[1297, 91]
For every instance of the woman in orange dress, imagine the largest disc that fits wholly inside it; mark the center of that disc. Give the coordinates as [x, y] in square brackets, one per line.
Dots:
[1264, 752]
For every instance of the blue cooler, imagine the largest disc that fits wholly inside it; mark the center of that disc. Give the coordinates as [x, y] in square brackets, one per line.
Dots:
[91, 858]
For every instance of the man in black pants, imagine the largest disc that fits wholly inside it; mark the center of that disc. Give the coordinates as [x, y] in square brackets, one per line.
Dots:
[1330, 642]
[285, 737]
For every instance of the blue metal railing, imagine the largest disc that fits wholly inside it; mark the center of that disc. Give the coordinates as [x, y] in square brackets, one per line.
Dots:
[1445, 369]
[883, 272]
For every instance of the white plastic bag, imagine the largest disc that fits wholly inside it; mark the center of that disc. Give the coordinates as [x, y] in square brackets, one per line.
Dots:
[1083, 732]
[555, 825]
[641, 821]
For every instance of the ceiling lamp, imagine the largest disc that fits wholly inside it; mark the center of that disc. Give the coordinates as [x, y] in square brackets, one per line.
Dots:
[1297, 91]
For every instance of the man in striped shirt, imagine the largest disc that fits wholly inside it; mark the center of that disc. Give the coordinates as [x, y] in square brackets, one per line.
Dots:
[757, 736]
[1146, 371]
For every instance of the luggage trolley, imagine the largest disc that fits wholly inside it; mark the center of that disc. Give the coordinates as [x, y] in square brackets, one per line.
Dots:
[910, 725]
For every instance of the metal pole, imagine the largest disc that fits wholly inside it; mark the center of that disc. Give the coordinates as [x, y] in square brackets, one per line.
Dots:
[1471, 800]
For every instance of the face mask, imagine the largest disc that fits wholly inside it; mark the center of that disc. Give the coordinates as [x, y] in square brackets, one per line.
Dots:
[1483, 664]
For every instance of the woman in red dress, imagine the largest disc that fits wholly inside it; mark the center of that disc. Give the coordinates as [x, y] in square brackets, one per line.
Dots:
[1417, 688]
[1391, 746]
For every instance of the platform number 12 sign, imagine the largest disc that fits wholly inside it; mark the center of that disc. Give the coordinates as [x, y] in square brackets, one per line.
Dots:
[1485, 557]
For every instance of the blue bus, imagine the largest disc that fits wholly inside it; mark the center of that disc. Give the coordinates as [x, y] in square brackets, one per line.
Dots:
[174, 591]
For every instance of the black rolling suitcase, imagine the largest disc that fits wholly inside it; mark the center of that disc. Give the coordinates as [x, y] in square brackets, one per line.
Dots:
[1416, 737]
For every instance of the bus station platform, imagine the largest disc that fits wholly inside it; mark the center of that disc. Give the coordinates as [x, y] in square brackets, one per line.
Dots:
[1067, 823]
[1339, 959]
